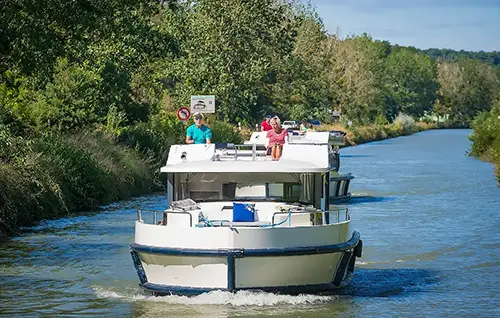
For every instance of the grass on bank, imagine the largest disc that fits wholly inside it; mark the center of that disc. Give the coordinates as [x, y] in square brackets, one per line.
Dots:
[52, 176]
[403, 125]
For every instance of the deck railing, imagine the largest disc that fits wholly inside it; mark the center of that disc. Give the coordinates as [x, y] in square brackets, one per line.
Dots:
[233, 151]
[337, 215]
[163, 214]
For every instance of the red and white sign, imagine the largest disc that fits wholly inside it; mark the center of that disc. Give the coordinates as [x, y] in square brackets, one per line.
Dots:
[183, 113]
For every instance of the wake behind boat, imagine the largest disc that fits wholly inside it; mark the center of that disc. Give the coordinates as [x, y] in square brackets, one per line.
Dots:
[237, 221]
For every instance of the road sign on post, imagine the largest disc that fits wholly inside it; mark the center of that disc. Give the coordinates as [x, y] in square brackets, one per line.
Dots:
[183, 114]
[203, 104]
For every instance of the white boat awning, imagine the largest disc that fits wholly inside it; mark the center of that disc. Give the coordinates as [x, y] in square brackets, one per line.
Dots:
[205, 158]
[209, 166]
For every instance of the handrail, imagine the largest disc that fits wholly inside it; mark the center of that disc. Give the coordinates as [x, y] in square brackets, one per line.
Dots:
[166, 212]
[242, 150]
[347, 217]
[139, 215]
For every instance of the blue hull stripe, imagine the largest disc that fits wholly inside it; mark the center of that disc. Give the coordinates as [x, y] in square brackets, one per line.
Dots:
[158, 290]
[237, 253]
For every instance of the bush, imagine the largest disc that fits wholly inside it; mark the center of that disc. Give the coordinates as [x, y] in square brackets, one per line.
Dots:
[406, 122]
[246, 133]
[393, 130]
[486, 137]
[12, 148]
[59, 174]
[224, 132]
[381, 120]
[153, 139]
[486, 128]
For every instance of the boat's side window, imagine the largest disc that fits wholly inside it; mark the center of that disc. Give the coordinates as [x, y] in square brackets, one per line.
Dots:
[292, 192]
[229, 190]
[274, 190]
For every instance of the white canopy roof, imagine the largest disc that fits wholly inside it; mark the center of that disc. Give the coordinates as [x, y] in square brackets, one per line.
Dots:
[205, 158]
[283, 165]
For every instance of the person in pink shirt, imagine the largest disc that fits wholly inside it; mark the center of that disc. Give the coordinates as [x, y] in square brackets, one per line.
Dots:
[265, 126]
[276, 138]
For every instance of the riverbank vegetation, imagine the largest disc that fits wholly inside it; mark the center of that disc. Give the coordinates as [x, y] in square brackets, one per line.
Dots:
[88, 90]
[486, 137]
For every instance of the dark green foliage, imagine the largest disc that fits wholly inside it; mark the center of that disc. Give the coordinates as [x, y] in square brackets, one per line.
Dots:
[491, 58]
[486, 137]
[486, 130]
[64, 66]
[55, 175]
[411, 83]
[153, 139]
[467, 87]
[224, 132]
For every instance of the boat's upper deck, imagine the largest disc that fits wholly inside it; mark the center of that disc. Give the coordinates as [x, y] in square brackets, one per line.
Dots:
[309, 154]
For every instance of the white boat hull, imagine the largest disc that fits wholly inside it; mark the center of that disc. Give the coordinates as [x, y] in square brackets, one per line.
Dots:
[288, 269]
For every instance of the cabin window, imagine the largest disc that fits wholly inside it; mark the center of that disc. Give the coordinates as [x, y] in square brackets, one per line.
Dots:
[285, 191]
[290, 187]
[229, 190]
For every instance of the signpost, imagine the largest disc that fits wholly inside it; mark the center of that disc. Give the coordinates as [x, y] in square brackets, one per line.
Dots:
[203, 104]
[183, 114]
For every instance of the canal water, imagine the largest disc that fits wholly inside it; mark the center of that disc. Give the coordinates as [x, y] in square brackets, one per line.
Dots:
[428, 215]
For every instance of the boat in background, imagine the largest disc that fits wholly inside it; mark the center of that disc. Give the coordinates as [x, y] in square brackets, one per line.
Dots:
[236, 220]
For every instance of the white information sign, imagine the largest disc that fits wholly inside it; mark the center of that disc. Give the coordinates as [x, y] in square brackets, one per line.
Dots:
[202, 104]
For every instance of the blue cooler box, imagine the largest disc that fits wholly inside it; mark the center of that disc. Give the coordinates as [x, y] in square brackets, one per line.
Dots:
[243, 212]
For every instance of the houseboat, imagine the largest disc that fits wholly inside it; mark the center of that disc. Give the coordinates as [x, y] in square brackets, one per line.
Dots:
[236, 220]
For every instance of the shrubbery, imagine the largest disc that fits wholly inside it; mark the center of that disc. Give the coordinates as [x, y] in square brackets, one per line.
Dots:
[402, 125]
[486, 137]
[57, 174]
[154, 138]
[407, 123]
[224, 132]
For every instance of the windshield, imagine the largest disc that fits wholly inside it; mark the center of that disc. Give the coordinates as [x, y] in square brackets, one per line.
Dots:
[210, 188]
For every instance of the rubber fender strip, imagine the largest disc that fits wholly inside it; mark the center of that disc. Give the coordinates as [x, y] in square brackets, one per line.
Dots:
[341, 269]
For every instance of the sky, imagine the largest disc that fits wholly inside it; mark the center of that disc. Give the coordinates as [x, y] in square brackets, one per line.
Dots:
[471, 25]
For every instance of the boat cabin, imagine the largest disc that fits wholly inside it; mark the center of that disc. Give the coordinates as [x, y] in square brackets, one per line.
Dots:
[216, 179]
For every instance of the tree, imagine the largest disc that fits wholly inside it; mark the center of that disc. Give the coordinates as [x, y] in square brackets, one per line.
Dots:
[467, 87]
[410, 83]
[300, 89]
[230, 52]
[354, 74]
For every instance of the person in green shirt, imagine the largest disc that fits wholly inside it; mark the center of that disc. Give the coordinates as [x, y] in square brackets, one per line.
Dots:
[303, 127]
[198, 133]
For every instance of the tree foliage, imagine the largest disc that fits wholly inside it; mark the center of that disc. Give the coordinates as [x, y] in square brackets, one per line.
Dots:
[411, 83]
[467, 87]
